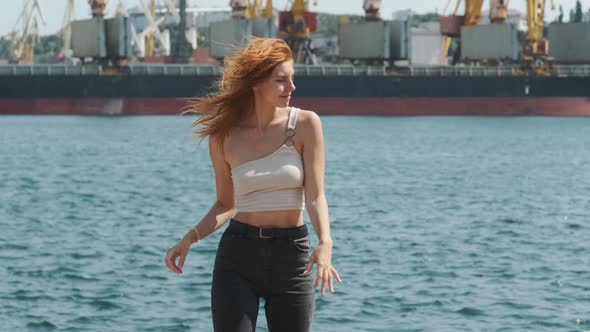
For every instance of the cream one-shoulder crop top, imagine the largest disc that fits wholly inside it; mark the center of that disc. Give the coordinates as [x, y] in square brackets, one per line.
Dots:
[273, 182]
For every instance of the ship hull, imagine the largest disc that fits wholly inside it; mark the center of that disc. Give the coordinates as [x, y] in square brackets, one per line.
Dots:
[483, 106]
[348, 95]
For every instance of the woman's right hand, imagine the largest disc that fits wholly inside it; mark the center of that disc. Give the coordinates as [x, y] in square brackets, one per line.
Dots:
[179, 250]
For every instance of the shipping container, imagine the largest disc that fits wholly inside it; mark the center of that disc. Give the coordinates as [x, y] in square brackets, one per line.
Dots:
[569, 43]
[489, 42]
[88, 38]
[401, 40]
[428, 48]
[365, 40]
[117, 31]
[264, 27]
[226, 35]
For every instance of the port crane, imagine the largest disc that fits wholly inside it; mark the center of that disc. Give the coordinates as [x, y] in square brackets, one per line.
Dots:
[498, 11]
[536, 47]
[239, 8]
[98, 7]
[251, 9]
[23, 40]
[472, 16]
[295, 26]
[258, 9]
[372, 10]
[65, 32]
[144, 42]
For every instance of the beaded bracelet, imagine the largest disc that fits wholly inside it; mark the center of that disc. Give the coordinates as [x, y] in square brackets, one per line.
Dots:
[196, 231]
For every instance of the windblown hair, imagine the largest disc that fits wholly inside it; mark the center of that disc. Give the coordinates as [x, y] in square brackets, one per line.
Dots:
[233, 98]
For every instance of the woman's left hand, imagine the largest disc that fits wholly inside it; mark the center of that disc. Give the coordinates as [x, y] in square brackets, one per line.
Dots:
[322, 257]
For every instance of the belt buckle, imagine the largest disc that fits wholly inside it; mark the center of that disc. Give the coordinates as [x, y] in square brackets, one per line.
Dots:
[262, 236]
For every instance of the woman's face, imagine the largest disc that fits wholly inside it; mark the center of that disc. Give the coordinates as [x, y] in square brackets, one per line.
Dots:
[276, 89]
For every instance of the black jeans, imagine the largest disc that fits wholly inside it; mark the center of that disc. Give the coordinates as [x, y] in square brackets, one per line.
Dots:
[268, 263]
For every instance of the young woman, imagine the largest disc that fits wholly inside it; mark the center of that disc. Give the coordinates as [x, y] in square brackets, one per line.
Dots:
[268, 160]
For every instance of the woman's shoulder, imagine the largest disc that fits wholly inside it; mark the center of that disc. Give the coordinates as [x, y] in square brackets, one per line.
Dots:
[308, 121]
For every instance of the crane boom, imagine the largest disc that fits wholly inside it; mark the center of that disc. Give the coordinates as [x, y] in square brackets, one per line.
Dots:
[473, 12]
[23, 41]
[536, 44]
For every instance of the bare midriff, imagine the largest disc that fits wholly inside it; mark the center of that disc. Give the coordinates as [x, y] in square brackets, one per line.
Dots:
[279, 219]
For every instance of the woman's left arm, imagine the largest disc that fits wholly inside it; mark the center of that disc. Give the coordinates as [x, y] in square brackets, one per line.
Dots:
[315, 199]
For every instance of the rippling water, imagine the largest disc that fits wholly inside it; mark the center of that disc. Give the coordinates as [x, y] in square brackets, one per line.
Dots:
[439, 224]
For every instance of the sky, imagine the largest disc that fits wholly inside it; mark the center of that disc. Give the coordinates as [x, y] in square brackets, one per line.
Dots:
[54, 10]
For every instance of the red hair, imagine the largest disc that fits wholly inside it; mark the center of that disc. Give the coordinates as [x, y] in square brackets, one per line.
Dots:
[233, 97]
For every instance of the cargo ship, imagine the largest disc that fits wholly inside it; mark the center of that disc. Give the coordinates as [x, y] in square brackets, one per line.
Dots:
[350, 90]
[150, 88]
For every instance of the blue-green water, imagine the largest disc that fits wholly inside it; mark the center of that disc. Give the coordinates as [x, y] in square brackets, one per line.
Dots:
[439, 224]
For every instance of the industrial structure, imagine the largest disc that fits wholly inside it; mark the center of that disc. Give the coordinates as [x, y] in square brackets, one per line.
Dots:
[26, 32]
[378, 71]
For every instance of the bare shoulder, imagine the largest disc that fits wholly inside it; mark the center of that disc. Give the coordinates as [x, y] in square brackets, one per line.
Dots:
[309, 123]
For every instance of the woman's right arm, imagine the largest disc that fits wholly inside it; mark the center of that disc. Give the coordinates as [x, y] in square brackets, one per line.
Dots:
[223, 208]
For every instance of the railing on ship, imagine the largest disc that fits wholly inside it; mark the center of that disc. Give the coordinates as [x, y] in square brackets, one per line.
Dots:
[558, 70]
[300, 70]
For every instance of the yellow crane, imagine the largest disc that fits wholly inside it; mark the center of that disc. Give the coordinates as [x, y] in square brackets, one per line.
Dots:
[149, 37]
[473, 12]
[536, 45]
[296, 26]
[258, 9]
[23, 41]
[472, 17]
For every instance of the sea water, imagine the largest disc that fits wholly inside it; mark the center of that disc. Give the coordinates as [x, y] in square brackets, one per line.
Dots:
[439, 224]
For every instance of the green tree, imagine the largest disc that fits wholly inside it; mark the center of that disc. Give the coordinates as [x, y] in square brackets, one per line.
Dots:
[416, 19]
[560, 17]
[572, 16]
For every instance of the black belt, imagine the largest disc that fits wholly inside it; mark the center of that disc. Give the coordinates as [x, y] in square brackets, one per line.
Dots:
[259, 233]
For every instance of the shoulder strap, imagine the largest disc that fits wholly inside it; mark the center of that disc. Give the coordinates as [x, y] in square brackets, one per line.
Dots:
[291, 125]
[292, 118]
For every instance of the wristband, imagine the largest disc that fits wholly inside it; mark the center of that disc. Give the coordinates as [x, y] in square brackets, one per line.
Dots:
[196, 231]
